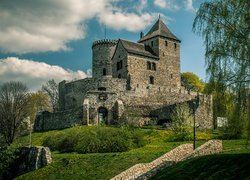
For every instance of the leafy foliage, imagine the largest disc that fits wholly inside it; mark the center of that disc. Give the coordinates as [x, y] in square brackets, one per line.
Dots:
[225, 26]
[94, 139]
[8, 155]
[181, 122]
[38, 101]
[191, 82]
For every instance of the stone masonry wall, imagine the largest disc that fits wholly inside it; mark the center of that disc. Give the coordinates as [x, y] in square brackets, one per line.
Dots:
[76, 91]
[168, 69]
[58, 120]
[182, 152]
[103, 51]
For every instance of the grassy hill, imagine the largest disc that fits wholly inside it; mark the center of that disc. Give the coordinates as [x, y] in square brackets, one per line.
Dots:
[220, 166]
[107, 165]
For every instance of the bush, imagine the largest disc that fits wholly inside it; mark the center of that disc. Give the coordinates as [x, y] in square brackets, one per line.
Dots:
[181, 123]
[95, 140]
[8, 155]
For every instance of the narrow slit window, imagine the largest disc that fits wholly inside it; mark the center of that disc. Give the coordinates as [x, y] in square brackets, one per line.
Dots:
[104, 72]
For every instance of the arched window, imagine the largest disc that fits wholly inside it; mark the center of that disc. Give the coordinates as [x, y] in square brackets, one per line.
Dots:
[119, 76]
[175, 45]
[104, 72]
[151, 80]
[153, 66]
[148, 65]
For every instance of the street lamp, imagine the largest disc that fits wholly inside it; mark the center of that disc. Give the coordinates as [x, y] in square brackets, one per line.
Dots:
[195, 106]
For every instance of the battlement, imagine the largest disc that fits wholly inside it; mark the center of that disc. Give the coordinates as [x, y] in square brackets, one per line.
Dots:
[111, 42]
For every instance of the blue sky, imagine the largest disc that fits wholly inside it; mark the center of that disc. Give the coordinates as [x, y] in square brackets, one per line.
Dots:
[43, 39]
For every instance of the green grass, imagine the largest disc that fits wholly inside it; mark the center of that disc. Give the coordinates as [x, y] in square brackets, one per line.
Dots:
[232, 163]
[107, 165]
[220, 166]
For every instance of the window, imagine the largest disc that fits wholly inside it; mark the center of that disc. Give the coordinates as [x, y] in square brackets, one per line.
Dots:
[101, 89]
[148, 65]
[175, 45]
[171, 76]
[104, 72]
[119, 65]
[154, 66]
[151, 80]
[166, 43]
[152, 43]
[119, 76]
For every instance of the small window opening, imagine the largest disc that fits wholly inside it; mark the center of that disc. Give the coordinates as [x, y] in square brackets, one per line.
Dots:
[171, 76]
[175, 45]
[119, 76]
[152, 43]
[148, 65]
[119, 65]
[104, 72]
[151, 80]
[166, 43]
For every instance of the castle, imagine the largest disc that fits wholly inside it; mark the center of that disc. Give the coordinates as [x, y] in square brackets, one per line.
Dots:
[130, 80]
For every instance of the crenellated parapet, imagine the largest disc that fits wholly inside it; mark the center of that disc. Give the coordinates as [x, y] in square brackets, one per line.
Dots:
[101, 42]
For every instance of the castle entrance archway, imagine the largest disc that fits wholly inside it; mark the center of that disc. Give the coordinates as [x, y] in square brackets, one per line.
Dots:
[102, 115]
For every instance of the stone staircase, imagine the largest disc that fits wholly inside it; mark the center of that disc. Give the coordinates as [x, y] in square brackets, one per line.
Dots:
[180, 153]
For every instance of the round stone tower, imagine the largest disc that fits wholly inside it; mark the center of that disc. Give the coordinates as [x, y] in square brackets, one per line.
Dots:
[103, 51]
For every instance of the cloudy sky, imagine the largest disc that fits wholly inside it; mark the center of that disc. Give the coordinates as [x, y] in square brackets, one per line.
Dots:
[44, 39]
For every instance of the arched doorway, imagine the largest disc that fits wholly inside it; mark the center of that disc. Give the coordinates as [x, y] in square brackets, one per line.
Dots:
[102, 115]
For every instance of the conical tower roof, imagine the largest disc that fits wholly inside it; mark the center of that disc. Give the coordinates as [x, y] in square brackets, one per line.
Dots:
[159, 29]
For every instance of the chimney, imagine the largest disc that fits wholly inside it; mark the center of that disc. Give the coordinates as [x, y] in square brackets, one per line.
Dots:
[141, 35]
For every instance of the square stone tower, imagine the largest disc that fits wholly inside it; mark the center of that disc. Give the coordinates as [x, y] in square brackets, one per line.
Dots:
[167, 47]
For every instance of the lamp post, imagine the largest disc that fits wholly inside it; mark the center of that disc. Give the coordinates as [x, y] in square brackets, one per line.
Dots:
[195, 105]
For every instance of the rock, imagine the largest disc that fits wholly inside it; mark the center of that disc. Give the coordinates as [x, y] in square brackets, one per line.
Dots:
[32, 158]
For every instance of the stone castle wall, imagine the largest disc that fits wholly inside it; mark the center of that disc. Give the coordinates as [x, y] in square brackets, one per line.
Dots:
[75, 91]
[59, 120]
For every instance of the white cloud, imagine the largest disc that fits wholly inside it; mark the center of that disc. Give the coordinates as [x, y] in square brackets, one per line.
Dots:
[34, 74]
[40, 26]
[128, 21]
[142, 5]
[168, 4]
[189, 6]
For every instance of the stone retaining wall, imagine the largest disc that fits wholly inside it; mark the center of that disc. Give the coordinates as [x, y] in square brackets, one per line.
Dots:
[180, 153]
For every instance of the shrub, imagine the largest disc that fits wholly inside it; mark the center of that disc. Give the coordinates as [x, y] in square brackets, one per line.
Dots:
[8, 155]
[181, 123]
[95, 140]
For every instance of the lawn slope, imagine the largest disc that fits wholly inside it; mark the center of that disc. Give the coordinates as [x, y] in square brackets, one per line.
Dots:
[220, 166]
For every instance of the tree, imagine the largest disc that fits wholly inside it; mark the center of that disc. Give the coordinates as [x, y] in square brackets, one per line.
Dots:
[191, 82]
[182, 122]
[51, 89]
[225, 27]
[38, 101]
[13, 109]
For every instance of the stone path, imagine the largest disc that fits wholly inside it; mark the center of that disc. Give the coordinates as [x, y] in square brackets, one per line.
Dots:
[180, 153]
